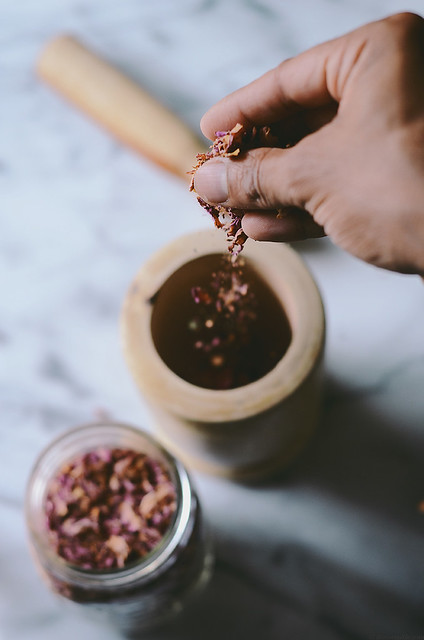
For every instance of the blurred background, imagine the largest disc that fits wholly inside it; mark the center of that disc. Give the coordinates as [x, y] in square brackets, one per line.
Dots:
[335, 548]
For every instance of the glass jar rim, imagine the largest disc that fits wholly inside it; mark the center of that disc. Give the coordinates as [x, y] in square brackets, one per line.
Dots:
[83, 439]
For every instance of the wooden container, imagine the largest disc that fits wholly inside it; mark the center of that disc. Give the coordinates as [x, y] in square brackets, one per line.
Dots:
[245, 432]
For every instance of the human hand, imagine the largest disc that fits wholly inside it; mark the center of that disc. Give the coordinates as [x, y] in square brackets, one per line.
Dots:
[355, 106]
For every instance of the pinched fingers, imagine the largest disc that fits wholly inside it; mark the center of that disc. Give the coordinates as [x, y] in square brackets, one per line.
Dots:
[273, 187]
[263, 178]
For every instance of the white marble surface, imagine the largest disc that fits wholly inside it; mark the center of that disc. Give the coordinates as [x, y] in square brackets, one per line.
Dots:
[335, 549]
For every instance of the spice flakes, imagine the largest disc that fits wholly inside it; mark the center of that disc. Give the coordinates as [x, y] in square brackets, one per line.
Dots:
[231, 144]
[226, 309]
[108, 508]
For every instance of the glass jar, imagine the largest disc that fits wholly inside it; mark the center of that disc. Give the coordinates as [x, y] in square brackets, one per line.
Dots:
[158, 585]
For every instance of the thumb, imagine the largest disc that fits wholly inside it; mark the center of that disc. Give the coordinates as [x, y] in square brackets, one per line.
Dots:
[264, 178]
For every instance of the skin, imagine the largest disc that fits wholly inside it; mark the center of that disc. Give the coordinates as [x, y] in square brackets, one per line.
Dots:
[355, 108]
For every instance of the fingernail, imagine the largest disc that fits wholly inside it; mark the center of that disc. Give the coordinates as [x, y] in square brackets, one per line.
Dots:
[210, 181]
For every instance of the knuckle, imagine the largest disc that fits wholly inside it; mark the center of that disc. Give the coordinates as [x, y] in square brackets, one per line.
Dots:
[252, 182]
[293, 180]
[407, 19]
[267, 178]
[298, 173]
[406, 24]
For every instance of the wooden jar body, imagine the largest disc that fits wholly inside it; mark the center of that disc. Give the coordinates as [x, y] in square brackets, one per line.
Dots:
[249, 431]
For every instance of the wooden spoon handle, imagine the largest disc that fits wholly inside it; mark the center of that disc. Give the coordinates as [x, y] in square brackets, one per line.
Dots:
[119, 104]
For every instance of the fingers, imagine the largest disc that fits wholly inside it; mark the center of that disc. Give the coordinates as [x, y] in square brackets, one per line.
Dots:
[264, 178]
[311, 80]
[267, 179]
[288, 225]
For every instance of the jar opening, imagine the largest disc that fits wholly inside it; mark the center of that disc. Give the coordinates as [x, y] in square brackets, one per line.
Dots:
[219, 325]
[42, 505]
[108, 508]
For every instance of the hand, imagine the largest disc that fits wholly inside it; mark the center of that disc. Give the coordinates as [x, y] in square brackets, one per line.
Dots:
[355, 106]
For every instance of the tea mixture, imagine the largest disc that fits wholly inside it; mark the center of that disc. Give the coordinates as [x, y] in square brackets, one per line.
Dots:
[108, 508]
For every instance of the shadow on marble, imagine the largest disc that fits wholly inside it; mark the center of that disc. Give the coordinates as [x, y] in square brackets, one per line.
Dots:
[365, 457]
[336, 605]
[361, 473]
[234, 606]
[365, 470]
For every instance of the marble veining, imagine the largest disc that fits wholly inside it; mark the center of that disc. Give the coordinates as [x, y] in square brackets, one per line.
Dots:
[332, 550]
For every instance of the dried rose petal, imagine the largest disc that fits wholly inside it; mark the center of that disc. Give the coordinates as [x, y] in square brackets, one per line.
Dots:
[109, 507]
[120, 548]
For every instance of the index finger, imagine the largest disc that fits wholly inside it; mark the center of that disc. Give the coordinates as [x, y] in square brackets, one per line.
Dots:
[311, 80]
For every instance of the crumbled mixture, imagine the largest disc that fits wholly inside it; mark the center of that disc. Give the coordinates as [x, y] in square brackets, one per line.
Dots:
[232, 144]
[108, 508]
[226, 308]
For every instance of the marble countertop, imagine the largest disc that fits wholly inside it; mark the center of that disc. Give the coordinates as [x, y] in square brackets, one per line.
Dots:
[335, 549]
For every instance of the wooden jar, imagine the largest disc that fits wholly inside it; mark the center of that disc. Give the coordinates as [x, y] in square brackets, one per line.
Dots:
[246, 432]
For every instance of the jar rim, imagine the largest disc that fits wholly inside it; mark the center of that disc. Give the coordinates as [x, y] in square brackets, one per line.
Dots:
[298, 293]
[49, 460]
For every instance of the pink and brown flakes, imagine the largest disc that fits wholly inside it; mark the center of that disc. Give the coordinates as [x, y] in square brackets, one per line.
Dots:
[109, 508]
[231, 144]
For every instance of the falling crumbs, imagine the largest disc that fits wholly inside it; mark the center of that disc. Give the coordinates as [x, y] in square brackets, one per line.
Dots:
[227, 307]
[108, 508]
[230, 144]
